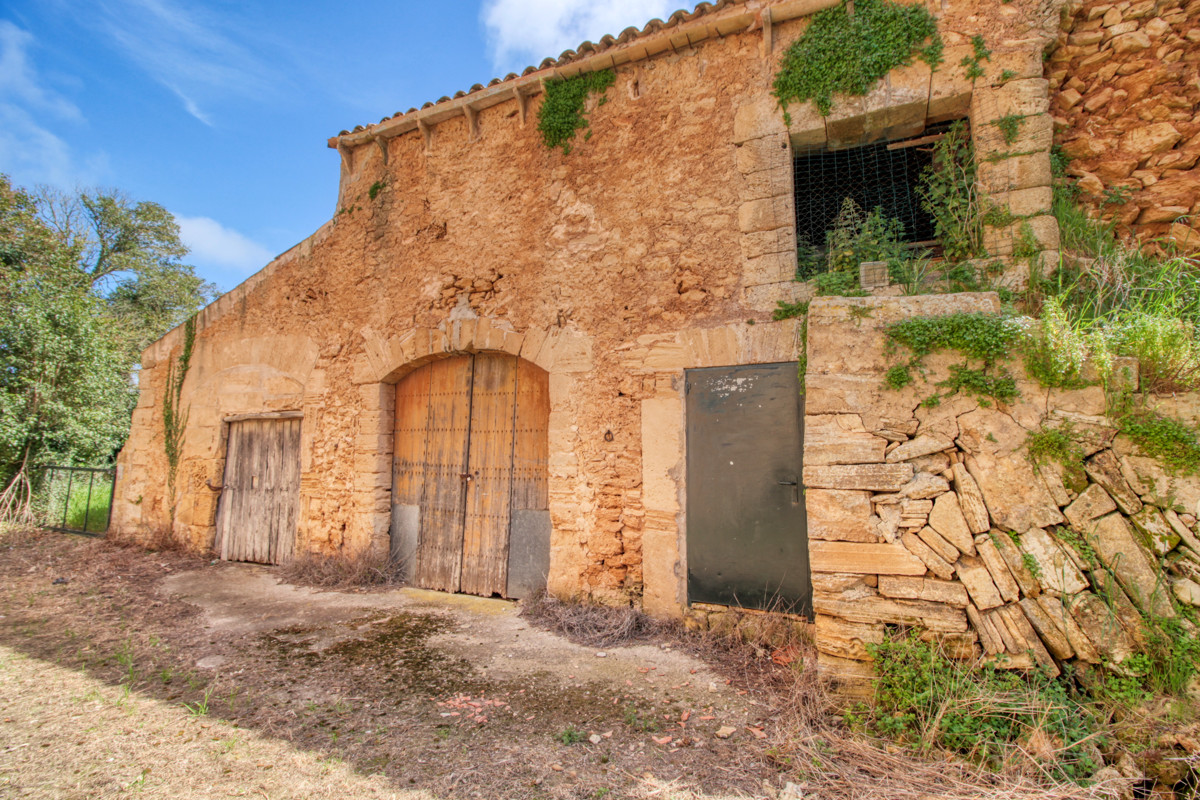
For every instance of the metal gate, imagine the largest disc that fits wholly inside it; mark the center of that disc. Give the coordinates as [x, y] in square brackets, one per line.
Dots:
[260, 498]
[747, 537]
[469, 493]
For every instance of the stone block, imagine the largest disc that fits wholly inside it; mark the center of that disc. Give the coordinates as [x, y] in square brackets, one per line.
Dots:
[843, 516]
[873, 609]
[1026, 638]
[975, 577]
[1105, 469]
[662, 452]
[1006, 584]
[840, 439]
[950, 89]
[756, 117]
[934, 562]
[769, 269]
[989, 637]
[1148, 477]
[1015, 498]
[935, 591]
[843, 639]
[947, 519]
[1025, 202]
[1145, 140]
[1101, 627]
[1115, 546]
[779, 240]
[936, 542]
[852, 680]
[1091, 505]
[920, 446]
[1024, 98]
[766, 214]
[1054, 609]
[768, 152]
[1156, 533]
[1058, 571]
[1020, 572]
[1047, 629]
[970, 499]
[1015, 172]
[863, 558]
[807, 127]
[870, 477]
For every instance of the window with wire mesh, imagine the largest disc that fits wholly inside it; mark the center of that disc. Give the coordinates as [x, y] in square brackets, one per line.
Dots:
[884, 175]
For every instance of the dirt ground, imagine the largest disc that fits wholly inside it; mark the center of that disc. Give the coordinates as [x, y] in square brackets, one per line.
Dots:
[124, 672]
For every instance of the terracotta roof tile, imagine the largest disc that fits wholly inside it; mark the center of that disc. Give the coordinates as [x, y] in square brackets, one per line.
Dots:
[584, 50]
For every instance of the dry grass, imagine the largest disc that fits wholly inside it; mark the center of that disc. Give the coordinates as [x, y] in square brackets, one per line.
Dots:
[365, 569]
[590, 624]
[67, 735]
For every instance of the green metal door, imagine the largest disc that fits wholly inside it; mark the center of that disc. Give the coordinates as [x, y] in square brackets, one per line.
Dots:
[747, 539]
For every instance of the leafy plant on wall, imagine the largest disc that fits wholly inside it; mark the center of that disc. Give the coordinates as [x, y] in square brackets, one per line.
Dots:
[848, 51]
[561, 115]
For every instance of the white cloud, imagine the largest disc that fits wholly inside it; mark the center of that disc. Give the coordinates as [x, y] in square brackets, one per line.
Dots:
[200, 60]
[523, 32]
[30, 152]
[213, 245]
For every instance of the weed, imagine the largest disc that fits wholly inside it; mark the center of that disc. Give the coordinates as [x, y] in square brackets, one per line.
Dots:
[1173, 443]
[1031, 564]
[1010, 127]
[200, 707]
[787, 310]
[898, 377]
[561, 113]
[1007, 75]
[971, 63]
[1059, 445]
[844, 53]
[925, 699]
[571, 735]
[377, 187]
[635, 720]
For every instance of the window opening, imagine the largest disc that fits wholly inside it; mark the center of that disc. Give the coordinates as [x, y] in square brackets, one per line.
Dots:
[882, 175]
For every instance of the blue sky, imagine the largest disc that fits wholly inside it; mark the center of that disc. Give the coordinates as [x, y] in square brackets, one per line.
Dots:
[220, 110]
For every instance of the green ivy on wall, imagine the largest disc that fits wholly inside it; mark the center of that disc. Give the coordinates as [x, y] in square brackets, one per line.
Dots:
[848, 52]
[561, 113]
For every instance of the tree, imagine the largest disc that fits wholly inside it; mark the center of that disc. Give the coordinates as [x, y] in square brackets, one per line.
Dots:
[86, 282]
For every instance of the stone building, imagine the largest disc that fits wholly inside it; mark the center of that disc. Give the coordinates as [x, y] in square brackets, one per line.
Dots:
[512, 366]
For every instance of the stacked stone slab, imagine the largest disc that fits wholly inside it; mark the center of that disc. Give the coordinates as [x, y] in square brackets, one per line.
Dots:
[934, 517]
[1127, 104]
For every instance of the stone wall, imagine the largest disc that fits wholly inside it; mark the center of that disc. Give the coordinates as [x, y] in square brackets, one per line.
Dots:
[1126, 77]
[934, 517]
[659, 244]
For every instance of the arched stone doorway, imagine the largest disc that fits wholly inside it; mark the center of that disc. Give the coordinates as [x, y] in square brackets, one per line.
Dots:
[469, 491]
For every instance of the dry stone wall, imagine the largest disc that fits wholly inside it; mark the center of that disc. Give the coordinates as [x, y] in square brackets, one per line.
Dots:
[934, 517]
[1126, 77]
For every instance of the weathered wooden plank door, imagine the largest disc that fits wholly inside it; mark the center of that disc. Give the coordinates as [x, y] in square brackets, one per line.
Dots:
[260, 499]
[747, 537]
[465, 427]
[439, 555]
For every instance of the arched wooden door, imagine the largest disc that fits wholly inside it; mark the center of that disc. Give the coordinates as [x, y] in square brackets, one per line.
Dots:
[470, 503]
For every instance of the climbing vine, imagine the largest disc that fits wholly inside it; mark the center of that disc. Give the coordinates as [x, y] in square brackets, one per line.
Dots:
[844, 51]
[561, 113]
[174, 419]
